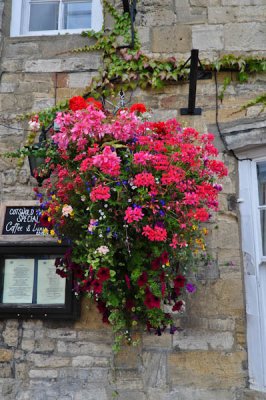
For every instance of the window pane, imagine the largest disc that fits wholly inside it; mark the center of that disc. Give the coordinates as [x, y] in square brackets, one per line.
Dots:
[263, 230]
[261, 172]
[77, 15]
[44, 16]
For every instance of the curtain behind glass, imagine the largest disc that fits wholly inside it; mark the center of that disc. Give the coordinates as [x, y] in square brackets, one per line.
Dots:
[44, 16]
[77, 15]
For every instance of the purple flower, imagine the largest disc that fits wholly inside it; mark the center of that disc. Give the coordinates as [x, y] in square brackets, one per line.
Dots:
[190, 287]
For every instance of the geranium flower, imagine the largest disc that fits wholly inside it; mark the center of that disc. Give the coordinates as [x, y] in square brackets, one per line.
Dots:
[77, 103]
[155, 234]
[102, 250]
[138, 107]
[100, 192]
[121, 180]
[103, 274]
[133, 214]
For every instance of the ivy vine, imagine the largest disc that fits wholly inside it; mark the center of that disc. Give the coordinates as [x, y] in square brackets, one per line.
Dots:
[127, 67]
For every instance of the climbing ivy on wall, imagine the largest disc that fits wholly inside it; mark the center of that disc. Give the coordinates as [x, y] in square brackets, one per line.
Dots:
[126, 67]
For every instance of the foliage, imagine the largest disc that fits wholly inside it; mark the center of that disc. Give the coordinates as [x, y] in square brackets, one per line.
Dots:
[129, 196]
[126, 67]
[258, 100]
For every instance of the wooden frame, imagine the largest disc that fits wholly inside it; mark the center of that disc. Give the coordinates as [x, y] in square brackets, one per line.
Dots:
[69, 310]
[32, 246]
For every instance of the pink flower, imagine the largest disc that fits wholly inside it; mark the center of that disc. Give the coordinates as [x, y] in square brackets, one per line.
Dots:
[157, 233]
[133, 214]
[108, 162]
[100, 192]
[144, 179]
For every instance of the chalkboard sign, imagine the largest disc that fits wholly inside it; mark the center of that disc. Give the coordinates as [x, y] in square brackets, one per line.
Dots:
[22, 220]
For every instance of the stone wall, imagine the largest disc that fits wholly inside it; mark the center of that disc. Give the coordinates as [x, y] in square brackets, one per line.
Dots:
[207, 359]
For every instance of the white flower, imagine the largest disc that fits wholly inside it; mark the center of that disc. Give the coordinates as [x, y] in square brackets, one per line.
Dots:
[67, 210]
[34, 126]
[102, 250]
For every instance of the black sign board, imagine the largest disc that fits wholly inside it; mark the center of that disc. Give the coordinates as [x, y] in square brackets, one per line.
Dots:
[22, 220]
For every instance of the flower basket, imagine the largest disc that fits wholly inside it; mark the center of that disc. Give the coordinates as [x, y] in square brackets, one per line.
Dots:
[129, 196]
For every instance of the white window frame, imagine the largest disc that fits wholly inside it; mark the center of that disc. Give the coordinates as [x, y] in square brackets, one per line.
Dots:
[20, 14]
[254, 268]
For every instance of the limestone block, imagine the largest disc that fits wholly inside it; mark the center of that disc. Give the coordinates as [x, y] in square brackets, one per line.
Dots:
[132, 395]
[92, 394]
[65, 334]
[89, 62]
[224, 297]
[151, 341]
[43, 373]
[128, 379]
[79, 348]
[5, 355]
[245, 36]
[199, 394]
[203, 340]
[89, 361]
[218, 15]
[44, 345]
[96, 336]
[43, 360]
[155, 371]
[129, 356]
[208, 37]
[88, 375]
[80, 79]
[249, 394]
[10, 333]
[169, 39]
[207, 369]
[1, 14]
[5, 370]
[21, 50]
[242, 2]
[35, 325]
[144, 35]
[27, 344]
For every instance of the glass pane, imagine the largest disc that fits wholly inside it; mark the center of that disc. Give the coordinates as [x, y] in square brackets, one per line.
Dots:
[263, 230]
[77, 15]
[261, 172]
[44, 16]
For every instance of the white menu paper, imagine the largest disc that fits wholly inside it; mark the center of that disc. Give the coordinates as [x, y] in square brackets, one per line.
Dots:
[18, 280]
[50, 286]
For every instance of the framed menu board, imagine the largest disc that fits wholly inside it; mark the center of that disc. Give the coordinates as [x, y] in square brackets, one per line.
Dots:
[30, 287]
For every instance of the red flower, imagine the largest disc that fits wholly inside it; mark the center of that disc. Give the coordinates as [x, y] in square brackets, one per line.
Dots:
[103, 274]
[151, 301]
[164, 257]
[77, 103]
[142, 279]
[44, 222]
[127, 281]
[97, 286]
[179, 281]
[96, 104]
[156, 263]
[177, 306]
[129, 304]
[138, 107]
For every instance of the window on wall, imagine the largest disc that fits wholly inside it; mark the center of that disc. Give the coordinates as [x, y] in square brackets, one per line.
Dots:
[252, 192]
[51, 17]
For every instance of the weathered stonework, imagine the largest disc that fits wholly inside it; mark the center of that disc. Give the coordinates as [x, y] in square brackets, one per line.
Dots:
[207, 359]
